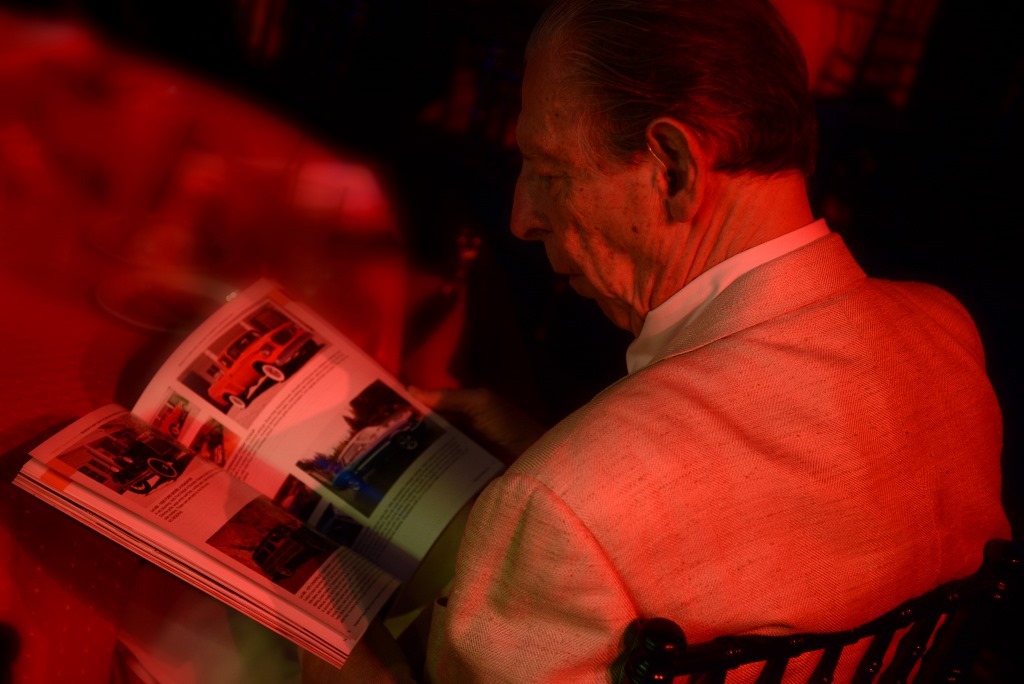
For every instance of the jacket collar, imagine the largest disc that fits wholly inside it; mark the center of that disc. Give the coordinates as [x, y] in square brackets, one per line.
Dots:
[811, 273]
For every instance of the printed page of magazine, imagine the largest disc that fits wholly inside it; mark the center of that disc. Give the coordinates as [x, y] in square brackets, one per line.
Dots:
[185, 514]
[272, 392]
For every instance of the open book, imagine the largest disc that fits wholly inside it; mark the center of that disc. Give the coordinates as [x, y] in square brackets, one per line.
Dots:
[273, 465]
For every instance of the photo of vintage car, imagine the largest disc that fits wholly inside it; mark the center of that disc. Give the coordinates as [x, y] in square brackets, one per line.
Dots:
[144, 464]
[171, 418]
[364, 446]
[255, 357]
[385, 437]
[285, 549]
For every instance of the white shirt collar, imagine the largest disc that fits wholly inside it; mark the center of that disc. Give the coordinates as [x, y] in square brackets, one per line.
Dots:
[665, 320]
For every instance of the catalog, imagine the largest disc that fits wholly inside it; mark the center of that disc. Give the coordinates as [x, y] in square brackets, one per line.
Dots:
[273, 465]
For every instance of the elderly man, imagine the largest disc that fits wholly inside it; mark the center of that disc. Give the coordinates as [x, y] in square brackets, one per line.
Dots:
[796, 447]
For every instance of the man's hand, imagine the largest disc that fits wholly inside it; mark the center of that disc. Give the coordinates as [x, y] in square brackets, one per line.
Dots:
[496, 424]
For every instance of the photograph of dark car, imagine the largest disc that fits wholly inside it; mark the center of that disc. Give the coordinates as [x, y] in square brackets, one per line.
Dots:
[386, 436]
[148, 463]
[139, 462]
[285, 548]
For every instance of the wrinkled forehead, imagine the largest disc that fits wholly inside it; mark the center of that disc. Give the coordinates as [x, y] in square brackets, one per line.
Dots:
[553, 109]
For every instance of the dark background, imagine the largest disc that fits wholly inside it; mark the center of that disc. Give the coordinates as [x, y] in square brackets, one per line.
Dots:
[926, 190]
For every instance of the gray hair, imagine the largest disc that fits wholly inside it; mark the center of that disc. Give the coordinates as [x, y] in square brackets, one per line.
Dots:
[728, 69]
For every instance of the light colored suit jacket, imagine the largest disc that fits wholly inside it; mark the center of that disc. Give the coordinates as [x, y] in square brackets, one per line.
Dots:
[814, 449]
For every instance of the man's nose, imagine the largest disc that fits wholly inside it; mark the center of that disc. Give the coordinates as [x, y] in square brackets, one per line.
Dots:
[526, 224]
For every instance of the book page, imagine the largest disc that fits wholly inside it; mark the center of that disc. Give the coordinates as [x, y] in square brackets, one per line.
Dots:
[271, 392]
[189, 516]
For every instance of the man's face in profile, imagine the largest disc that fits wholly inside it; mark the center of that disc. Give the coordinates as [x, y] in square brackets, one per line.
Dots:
[595, 223]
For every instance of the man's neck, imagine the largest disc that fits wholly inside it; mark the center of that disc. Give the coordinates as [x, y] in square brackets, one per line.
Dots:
[737, 212]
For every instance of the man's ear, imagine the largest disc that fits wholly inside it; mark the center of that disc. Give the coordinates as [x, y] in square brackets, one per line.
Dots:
[682, 161]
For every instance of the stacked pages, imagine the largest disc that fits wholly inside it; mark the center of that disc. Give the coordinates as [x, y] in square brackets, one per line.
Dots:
[273, 465]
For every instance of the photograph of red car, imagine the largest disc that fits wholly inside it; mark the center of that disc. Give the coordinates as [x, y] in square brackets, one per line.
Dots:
[247, 362]
[171, 417]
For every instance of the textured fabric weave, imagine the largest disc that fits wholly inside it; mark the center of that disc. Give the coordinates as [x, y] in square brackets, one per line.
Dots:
[811, 451]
